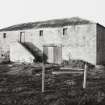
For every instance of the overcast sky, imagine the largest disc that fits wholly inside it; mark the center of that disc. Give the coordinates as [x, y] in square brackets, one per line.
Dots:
[20, 11]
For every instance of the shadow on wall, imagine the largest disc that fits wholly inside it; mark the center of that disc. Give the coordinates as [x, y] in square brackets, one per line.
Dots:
[35, 51]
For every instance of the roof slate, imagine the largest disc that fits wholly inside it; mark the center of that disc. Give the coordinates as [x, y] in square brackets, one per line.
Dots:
[48, 23]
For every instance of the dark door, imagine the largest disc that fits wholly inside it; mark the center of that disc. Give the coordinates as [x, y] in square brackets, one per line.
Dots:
[22, 37]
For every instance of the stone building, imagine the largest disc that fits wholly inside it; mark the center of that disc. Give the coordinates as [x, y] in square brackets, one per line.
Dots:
[59, 39]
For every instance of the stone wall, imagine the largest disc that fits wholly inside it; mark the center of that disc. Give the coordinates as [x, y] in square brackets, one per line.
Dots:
[78, 43]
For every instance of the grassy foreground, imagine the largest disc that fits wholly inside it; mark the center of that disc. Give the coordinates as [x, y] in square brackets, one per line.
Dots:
[19, 86]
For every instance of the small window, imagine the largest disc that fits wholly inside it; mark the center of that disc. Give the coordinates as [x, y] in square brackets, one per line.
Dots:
[41, 32]
[4, 35]
[22, 33]
[64, 31]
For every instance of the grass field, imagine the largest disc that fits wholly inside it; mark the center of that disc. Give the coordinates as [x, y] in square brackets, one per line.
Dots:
[20, 86]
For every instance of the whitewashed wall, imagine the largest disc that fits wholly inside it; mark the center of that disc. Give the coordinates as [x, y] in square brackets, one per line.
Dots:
[20, 54]
[79, 43]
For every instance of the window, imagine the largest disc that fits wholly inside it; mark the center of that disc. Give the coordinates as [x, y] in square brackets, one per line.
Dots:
[41, 33]
[4, 35]
[64, 31]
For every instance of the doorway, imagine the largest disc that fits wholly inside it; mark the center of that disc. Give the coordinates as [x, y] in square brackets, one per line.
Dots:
[22, 37]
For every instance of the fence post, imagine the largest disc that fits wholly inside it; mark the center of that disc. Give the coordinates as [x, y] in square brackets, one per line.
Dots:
[43, 72]
[85, 76]
[43, 76]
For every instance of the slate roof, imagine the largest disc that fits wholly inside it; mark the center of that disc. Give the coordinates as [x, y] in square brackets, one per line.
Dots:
[48, 23]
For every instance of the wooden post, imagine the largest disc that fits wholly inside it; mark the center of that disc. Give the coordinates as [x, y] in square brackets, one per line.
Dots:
[43, 76]
[43, 73]
[85, 76]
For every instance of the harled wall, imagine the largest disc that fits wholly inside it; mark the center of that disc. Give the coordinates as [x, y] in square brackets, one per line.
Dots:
[79, 43]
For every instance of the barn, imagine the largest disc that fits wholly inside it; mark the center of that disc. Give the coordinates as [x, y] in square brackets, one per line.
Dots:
[59, 39]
